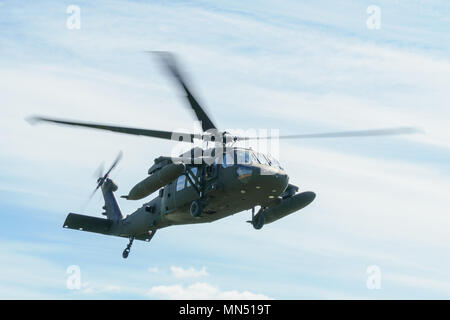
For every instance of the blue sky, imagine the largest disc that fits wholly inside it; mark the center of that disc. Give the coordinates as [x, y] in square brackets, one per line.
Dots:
[298, 67]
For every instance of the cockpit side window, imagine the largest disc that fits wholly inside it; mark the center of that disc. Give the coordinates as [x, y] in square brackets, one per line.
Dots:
[243, 157]
[181, 182]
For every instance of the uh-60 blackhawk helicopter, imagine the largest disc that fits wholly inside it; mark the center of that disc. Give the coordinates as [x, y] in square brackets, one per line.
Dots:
[203, 184]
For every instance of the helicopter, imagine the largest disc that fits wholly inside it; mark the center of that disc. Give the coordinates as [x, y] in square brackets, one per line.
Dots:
[201, 185]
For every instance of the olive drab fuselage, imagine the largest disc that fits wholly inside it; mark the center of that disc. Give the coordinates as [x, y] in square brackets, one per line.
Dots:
[239, 180]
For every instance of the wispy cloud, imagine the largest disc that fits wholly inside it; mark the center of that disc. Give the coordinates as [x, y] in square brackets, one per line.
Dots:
[199, 291]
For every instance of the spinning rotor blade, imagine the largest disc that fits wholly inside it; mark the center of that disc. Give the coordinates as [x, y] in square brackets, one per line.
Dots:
[189, 137]
[342, 134]
[92, 194]
[119, 156]
[169, 135]
[169, 62]
[99, 172]
[98, 175]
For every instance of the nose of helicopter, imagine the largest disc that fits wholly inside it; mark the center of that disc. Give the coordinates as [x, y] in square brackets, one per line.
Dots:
[267, 182]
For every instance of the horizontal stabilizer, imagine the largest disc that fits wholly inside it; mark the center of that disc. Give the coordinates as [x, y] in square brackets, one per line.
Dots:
[87, 223]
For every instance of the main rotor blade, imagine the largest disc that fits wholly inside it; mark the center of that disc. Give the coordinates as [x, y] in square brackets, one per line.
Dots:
[169, 135]
[342, 134]
[169, 62]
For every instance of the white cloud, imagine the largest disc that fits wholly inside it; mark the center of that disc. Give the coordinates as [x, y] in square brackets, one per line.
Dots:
[179, 272]
[199, 291]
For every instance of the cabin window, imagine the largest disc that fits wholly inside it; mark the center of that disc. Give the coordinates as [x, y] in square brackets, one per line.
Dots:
[228, 160]
[181, 182]
[194, 172]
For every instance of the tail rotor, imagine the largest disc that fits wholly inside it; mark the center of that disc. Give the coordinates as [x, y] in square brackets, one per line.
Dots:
[101, 178]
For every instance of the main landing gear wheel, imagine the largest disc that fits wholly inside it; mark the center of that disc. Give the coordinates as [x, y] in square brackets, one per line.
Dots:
[127, 250]
[196, 208]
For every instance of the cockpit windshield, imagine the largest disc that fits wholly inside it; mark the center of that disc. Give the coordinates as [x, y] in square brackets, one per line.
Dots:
[262, 159]
[273, 162]
[248, 157]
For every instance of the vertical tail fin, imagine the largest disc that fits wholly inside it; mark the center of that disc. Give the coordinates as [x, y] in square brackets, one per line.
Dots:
[112, 209]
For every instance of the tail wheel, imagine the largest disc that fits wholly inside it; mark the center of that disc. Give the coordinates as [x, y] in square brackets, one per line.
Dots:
[196, 208]
[258, 221]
